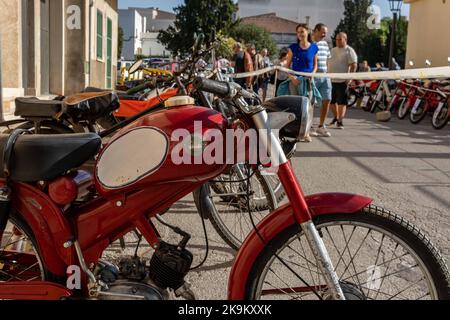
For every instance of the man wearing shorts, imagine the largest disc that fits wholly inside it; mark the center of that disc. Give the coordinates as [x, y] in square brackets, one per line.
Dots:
[343, 60]
[322, 84]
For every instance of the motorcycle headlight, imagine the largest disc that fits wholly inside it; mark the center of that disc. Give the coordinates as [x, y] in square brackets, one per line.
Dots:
[301, 107]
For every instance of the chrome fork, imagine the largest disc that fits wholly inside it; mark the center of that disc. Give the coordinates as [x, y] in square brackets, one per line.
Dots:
[271, 143]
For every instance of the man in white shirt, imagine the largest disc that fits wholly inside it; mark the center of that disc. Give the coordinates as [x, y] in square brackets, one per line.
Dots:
[322, 84]
[343, 60]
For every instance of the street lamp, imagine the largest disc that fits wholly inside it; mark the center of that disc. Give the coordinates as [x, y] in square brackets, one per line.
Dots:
[395, 6]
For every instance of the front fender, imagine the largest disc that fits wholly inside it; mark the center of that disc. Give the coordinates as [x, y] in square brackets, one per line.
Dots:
[279, 220]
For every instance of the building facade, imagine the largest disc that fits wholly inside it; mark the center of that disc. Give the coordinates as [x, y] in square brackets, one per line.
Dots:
[282, 30]
[428, 33]
[141, 27]
[300, 11]
[57, 47]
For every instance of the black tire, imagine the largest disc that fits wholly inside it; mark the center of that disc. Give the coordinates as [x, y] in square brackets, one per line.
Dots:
[440, 117]
[222, 220]
[396, 227]
[403, 108]
[352, 98]
[368, 106]
[375, 106]
[17, 222]
[419, 115]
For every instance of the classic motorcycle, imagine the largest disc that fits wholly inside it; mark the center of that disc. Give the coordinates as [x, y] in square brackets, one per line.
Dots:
[55, 218]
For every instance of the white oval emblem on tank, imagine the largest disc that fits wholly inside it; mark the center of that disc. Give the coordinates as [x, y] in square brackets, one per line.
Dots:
[133, 156]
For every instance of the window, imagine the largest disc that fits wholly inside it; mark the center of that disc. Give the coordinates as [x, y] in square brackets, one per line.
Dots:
[99, 34]
[109, 54]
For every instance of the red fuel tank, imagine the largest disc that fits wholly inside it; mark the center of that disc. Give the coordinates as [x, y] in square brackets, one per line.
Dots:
[162, 148]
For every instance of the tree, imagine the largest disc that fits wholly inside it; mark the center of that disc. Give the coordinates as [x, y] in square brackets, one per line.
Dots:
[120, 43]
[206, 16]
[355, 23]
[372, 45]
[250, 33]
[378, 41]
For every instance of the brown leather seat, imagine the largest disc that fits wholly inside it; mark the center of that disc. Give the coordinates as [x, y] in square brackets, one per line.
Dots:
[85, 96]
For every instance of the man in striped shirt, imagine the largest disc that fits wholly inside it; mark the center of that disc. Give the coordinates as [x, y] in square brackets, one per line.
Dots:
[323, 84]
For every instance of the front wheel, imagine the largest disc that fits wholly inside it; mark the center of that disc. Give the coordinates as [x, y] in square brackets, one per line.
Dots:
[377, 256]
[419, 112]
[403, 108]
[440, 117]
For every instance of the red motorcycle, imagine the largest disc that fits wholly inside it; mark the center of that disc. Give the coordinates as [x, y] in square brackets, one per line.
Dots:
[433, 97]
[412, 99]
[56, 219]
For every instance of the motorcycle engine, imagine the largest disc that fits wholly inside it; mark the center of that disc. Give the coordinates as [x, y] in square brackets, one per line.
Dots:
[149, 280]
[133, 288]
[128, 280]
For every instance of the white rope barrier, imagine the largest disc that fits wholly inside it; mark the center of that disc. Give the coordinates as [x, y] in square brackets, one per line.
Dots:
[425, 73]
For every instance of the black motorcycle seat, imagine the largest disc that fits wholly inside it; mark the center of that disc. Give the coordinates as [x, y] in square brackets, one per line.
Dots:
[34, 107]
[45, 157]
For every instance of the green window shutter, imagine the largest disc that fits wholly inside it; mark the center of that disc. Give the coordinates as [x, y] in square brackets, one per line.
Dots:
[99, 34]
[109, 55]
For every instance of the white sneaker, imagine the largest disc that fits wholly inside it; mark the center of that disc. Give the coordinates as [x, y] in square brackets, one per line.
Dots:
[323, 132]
[313, 132]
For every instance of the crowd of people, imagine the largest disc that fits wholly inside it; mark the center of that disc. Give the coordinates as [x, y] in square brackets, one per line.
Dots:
[310, 54]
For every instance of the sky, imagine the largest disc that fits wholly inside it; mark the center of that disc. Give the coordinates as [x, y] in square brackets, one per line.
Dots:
[167, 5]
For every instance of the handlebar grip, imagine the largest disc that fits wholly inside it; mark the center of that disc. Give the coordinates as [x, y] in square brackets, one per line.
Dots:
[219, 88]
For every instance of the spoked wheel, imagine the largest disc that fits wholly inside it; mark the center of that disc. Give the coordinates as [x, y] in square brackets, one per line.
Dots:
[227, 205]
[419, 112]
[230, 187]
[376, 255]
[19, 258]
[352, 98]
[440, 117]
[403, 108]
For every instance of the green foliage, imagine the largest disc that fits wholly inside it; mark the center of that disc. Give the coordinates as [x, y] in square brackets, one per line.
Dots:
[354, 23]
[206, 16]
[120, 43]
[250, 33]
[371, 45]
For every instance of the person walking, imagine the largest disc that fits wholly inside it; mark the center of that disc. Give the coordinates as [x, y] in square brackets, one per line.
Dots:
[251, 50]
[302, 57]
[343, 60]
[322, 84]
[242, 62]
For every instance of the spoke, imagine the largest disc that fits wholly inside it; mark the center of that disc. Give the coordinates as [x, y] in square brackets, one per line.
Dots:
[408, 287]
[289, 287]
[359, 248]
[30, 267]
[387, 268]
[295, 273]
[314, 264]
[10, 275]
[394, 273]
[379, 265]
[349, 253]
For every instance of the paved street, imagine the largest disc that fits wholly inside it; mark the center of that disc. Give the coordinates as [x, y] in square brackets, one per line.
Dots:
[405, 168]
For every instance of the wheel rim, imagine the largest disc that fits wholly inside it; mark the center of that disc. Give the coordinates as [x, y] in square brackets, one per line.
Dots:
[440, 116]
[403, 108]
[19, 260]
[377, 278]
[231, 213]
